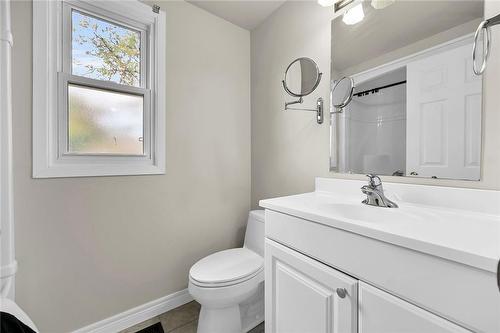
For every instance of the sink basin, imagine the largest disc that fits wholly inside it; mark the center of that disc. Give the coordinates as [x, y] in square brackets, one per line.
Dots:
[370, 214]
[462, 225]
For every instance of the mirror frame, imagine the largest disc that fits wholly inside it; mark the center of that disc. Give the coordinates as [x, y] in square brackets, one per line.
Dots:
[318, 80]
[351, 93]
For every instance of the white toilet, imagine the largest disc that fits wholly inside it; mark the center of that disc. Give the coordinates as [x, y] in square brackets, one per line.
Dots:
[229, 284]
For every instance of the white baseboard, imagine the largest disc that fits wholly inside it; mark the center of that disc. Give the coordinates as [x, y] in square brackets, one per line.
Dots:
[138, 314]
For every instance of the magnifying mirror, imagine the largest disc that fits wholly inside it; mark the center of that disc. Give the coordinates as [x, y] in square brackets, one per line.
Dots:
[342, 93]
[302, 77]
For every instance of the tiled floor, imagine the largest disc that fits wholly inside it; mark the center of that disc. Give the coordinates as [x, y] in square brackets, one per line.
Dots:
[183, 319]
[257, 329]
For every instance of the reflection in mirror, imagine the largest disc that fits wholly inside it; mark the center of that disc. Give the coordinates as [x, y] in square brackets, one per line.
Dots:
[416, 106]
[342, 93]
[302, 76]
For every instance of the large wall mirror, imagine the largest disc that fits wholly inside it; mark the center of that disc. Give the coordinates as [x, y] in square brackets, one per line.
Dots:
[416, 104]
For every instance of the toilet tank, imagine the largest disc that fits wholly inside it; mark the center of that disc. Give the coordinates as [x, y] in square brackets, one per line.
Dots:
[254, 235]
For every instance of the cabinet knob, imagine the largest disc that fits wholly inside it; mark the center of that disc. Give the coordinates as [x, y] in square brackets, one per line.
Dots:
[341, 292]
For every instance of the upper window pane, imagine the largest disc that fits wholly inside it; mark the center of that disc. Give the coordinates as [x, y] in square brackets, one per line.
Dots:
[105, 51]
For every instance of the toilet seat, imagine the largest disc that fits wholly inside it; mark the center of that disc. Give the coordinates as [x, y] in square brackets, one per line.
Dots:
[226, 268]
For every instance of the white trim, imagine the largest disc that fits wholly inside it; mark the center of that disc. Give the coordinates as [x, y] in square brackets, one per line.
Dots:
[8, 264]
[110, 15]
[64, 80]
[47, 66]
[138, 314]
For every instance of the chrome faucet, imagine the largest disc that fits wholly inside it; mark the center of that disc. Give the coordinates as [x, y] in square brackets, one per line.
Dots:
[375, 193]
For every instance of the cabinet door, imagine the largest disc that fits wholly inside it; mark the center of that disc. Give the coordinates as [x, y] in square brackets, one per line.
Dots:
[306, 296]
[380, 312]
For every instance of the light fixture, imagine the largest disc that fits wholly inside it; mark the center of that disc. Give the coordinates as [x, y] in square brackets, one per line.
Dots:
[381, 4]
[326, 3]
[339, 4]
[354, 15]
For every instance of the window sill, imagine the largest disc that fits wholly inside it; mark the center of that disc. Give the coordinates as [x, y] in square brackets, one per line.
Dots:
[93, 170]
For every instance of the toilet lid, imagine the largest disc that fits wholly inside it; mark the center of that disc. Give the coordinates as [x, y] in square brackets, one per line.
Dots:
[226, 266]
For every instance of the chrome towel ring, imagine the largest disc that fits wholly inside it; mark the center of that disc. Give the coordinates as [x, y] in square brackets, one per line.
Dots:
[483, 27]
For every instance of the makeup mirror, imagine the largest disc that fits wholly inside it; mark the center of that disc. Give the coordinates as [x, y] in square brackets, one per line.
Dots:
[341, 93]
[302, 77]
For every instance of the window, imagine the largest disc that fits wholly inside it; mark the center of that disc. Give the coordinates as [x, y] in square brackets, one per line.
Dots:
[104, 50]
[104, 122]
[98, 89]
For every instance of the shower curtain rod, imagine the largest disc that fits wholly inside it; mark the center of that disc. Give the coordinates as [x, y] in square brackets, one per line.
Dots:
[374, 90]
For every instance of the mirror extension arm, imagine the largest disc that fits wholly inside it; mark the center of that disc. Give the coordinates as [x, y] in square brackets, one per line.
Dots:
[299, 101]
[318, 110]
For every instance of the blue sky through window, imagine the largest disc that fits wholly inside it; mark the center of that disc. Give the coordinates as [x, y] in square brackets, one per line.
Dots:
[104, 51]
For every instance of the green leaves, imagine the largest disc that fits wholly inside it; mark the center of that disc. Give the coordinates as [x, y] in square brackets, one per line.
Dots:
[116, 48]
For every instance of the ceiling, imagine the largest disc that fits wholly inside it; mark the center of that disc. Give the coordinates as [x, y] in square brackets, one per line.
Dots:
[397, 26]
[246, 14]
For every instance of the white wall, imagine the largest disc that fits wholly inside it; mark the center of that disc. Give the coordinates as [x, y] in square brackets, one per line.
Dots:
[89, 248]
[288, 148]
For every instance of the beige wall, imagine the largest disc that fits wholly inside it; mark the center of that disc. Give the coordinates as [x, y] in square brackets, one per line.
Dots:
[89, 248]
[288, 148]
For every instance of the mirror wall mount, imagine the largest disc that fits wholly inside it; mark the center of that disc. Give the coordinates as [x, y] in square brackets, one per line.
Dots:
[318, 110]
[302, 77]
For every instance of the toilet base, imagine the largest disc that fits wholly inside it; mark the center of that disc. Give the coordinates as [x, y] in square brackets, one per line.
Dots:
[252, 310]
[219, 320]
[241, 318]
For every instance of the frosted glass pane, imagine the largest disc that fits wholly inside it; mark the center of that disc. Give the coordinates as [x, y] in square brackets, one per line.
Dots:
[105, 51]
[104, 122]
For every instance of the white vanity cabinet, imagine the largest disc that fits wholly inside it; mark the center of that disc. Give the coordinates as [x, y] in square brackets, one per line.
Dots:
[417, 268]
[304, 295]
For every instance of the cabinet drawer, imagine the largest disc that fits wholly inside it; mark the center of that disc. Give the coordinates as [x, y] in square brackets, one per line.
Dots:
[380, 312]
[304, 295]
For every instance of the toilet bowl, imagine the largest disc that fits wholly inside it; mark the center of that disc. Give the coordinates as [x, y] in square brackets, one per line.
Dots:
[229, 284]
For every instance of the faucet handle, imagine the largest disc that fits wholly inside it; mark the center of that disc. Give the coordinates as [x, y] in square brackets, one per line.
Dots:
[372, 178]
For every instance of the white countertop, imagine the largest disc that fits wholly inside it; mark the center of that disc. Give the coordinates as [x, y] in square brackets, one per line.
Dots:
[467, 237]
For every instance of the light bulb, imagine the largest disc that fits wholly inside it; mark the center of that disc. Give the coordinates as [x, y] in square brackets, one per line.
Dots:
[354, 15]
[326, 3]
[381, 4]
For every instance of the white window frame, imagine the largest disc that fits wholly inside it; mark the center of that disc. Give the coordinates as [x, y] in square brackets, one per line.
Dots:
[52, 74]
